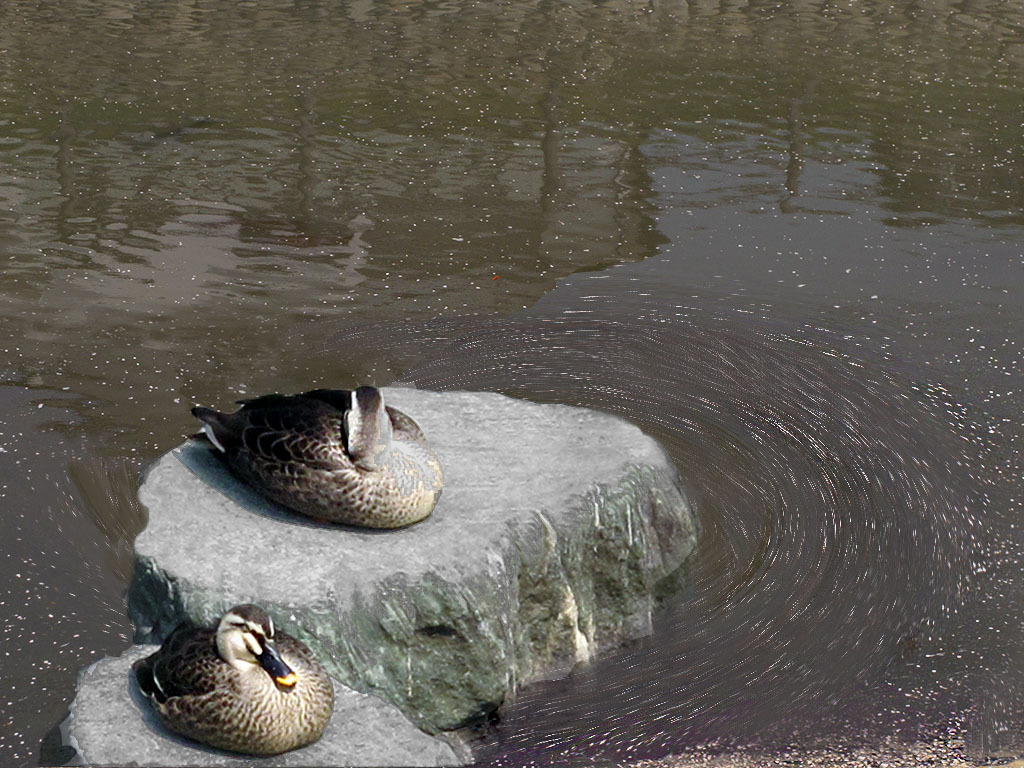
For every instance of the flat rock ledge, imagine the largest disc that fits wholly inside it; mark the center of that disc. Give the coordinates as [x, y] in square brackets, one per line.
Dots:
[112, 724]
[558, 532]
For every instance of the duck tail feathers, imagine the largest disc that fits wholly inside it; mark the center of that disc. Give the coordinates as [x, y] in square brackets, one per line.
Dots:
[146, 679]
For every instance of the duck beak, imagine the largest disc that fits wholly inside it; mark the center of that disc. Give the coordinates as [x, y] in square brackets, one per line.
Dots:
[271, 661]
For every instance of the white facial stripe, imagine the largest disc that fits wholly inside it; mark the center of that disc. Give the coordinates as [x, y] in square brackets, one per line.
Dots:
[252, 643]
[270, 622]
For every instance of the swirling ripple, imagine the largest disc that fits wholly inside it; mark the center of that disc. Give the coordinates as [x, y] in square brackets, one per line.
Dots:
[836, 522]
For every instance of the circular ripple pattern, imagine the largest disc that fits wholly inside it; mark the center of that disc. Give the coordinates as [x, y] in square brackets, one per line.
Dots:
[835, 523]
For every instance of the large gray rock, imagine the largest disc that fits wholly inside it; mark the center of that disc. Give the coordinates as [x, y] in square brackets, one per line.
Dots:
[111, 723]
[558, 530]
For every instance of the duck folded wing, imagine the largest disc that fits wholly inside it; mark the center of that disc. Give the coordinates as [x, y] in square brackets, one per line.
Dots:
[285, 430]
[310, 434]
[177, 669]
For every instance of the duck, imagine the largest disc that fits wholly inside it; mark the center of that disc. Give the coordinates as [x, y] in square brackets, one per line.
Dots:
[240, 687]
[334, 455]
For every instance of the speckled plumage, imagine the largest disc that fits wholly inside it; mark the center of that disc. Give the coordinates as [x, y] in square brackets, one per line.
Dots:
[295, 449]
[198, 694]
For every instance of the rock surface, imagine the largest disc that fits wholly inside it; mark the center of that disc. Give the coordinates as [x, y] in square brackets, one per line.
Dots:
[111, 723]
[558, 530]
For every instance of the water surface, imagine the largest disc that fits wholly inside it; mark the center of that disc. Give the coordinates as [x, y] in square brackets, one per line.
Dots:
[784, 238]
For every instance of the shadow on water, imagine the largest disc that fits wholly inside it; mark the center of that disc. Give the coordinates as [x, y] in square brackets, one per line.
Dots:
[837, 523]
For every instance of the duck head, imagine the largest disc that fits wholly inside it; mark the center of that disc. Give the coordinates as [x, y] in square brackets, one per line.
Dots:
[245, 640]
[368, 427]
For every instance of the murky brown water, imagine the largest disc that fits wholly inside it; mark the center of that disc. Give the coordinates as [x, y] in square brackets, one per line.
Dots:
[801, 227]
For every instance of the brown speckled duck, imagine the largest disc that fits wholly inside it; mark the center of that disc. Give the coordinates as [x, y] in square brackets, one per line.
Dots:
[239, 687]
[331, 454]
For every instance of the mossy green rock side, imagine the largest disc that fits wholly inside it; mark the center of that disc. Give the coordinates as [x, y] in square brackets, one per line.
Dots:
[558, 530]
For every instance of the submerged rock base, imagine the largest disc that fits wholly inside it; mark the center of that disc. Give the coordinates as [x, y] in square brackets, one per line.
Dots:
[558, 530]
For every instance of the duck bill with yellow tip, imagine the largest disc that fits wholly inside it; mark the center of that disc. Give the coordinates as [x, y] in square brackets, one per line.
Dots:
[276, 667]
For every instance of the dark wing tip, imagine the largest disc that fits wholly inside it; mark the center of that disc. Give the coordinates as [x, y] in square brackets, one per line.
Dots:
[143, 669]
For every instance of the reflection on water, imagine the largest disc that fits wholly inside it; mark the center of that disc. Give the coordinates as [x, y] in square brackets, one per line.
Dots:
[195, 197]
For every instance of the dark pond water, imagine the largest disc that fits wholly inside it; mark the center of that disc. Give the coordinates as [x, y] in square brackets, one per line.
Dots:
[785, 238]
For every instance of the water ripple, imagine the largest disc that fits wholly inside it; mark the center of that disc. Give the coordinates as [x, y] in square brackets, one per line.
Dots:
[835, 516]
